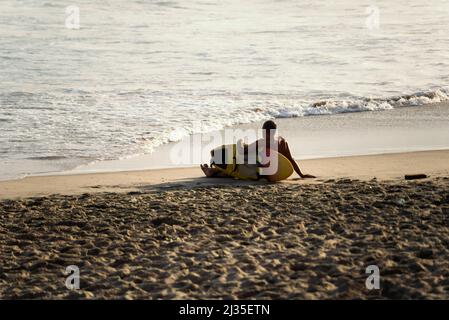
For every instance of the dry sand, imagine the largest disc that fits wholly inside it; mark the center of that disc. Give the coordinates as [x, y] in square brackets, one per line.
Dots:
[211, 238]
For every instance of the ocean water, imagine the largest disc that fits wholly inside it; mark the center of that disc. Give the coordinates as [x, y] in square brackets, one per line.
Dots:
[137, 74]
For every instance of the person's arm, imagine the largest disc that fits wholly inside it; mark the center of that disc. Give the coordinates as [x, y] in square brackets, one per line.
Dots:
[285, 150]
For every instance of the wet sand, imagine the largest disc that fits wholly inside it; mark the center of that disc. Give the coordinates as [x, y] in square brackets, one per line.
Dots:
[381, 166]
[309, 239]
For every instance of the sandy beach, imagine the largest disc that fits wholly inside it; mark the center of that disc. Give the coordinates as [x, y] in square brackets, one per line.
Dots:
[108, 109]
[171, 234]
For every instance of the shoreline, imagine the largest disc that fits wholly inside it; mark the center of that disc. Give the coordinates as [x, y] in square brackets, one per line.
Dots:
[388, 166]
[405, 129]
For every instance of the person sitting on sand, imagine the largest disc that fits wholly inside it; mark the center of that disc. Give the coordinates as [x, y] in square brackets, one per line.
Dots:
[267, 140]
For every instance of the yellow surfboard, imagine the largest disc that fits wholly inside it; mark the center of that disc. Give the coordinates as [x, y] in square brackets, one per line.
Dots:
[284, 170]
[227, 154]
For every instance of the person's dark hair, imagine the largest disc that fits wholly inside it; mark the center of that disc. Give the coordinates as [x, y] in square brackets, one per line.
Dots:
[269, 125]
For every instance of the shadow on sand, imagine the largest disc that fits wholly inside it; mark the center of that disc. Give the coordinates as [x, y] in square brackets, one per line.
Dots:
[198, 182]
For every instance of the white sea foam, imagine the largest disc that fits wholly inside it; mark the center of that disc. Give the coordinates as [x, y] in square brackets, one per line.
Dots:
[329, 106]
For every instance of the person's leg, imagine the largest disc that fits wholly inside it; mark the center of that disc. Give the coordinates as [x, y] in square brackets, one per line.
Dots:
[208, 171]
